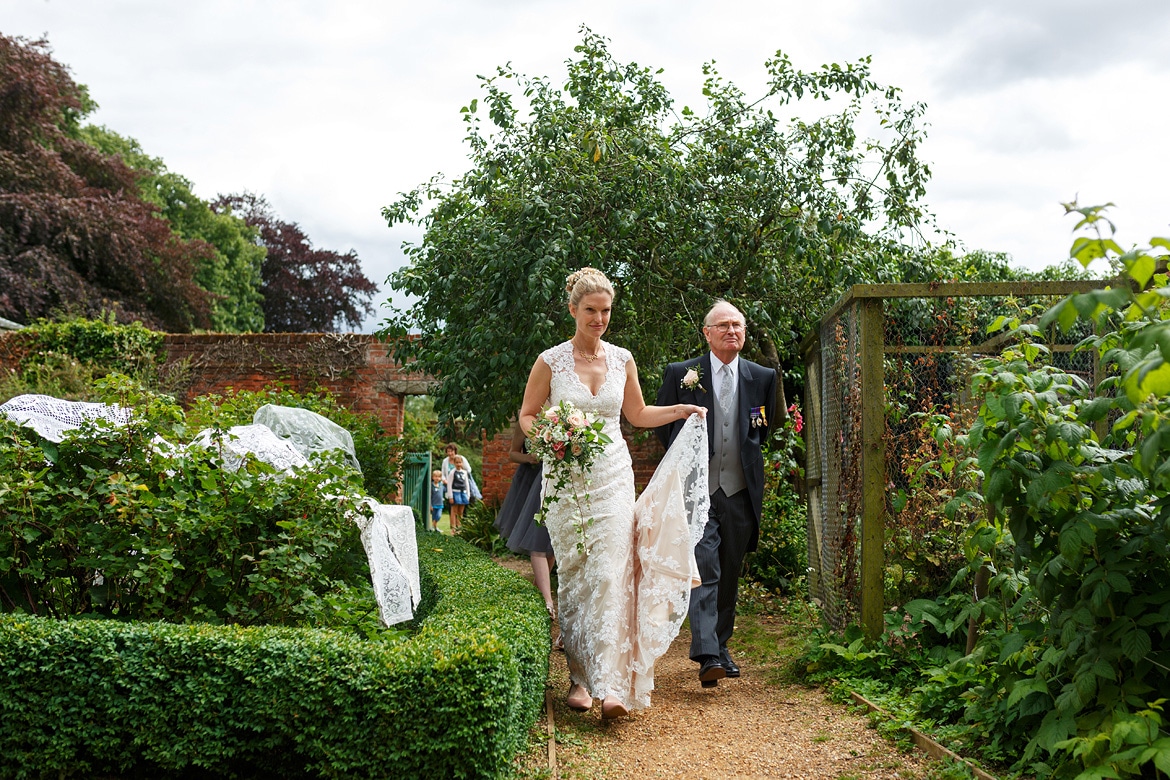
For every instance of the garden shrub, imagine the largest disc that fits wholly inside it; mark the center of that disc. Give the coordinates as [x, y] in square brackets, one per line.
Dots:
[1070, 672]
[88, 697]
[1078, 483]
[108, 523]
[379, 454]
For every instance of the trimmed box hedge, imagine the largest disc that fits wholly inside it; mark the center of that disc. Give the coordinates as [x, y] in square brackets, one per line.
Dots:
[85, 698]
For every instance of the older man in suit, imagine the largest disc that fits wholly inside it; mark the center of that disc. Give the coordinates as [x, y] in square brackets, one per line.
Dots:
[740, 397]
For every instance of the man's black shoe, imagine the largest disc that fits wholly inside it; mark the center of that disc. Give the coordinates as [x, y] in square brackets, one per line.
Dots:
[729, 665]
[711, 672]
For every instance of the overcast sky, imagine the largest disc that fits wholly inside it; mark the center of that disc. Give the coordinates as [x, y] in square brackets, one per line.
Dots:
[330, 109]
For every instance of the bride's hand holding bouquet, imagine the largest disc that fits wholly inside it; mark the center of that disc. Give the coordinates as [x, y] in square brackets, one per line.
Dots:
[567, 441]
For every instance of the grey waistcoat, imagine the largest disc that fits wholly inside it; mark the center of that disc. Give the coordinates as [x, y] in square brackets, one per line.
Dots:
[726, 464]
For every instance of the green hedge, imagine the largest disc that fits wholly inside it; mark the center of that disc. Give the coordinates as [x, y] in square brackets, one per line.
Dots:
[83, 698]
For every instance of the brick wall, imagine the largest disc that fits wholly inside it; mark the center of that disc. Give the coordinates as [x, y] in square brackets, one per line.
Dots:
[357, 369]
[497, 469]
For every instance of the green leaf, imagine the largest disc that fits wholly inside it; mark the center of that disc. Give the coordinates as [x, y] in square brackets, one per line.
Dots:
[50, 450]
[1136, 644]
[1085, 250]
[1141, 269]
[1066, 315]
[1154, 380]
[1026, 687]
[1159, 752]
[1096, 409]
[1053, 729]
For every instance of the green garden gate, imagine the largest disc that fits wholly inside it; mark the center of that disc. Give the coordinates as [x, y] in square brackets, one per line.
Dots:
[416, 485]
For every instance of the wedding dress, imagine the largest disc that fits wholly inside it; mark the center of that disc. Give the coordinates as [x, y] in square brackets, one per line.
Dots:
[623, 590]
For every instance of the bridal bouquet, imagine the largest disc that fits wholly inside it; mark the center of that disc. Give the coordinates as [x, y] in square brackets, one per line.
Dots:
[567, 441]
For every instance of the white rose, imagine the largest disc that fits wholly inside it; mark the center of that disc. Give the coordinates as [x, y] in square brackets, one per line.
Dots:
[692, 378]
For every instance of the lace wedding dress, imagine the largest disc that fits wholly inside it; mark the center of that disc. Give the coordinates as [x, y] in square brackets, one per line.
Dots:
[622, 598]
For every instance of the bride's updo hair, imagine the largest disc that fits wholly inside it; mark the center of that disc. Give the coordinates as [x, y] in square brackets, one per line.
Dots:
[585, 282]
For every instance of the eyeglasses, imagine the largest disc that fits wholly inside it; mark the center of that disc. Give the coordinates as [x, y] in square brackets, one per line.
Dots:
[724, 327]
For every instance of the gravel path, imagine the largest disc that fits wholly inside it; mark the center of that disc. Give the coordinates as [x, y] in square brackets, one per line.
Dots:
[755, 727]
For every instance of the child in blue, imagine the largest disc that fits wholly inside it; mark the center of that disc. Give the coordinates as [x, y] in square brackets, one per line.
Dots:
[438, 495]
[458, 490]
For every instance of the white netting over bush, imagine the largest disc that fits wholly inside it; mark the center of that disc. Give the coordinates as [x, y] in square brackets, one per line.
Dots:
[308, 431]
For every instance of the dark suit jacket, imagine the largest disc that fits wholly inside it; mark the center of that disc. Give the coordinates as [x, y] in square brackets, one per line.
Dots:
[757, 388]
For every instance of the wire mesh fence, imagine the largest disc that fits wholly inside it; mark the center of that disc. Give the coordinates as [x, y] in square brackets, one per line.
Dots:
[888, 375]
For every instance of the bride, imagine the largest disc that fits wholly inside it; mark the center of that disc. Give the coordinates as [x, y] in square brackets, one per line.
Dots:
[622, 595]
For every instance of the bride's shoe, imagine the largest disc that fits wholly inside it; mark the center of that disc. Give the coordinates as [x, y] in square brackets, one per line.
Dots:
[612, 707]
[582, 701]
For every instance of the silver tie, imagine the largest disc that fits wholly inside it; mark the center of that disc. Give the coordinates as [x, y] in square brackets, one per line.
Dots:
[725, 390]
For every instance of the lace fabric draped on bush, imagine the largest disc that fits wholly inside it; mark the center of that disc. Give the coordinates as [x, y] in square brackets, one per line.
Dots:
[53, 417]
[621, 601]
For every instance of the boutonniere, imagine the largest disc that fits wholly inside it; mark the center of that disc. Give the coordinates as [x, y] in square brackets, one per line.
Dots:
[757, 417]
[692, 378]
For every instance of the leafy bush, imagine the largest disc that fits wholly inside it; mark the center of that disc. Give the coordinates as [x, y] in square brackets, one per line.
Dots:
[128, 349]
[107, 523]
[379, 454]
[90, 698]
[62, 358]
[1070, 672]
[1078, 483]
[780, 562]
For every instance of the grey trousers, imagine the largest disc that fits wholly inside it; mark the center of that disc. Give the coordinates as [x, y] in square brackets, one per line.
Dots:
[719, 555]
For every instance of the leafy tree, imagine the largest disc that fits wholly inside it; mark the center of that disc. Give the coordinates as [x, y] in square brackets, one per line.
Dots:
[74, 230]
[305, 289]
[231, 272]
[676, 208]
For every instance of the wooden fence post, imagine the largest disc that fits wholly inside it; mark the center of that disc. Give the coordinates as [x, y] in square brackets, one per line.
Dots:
[873, 466]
